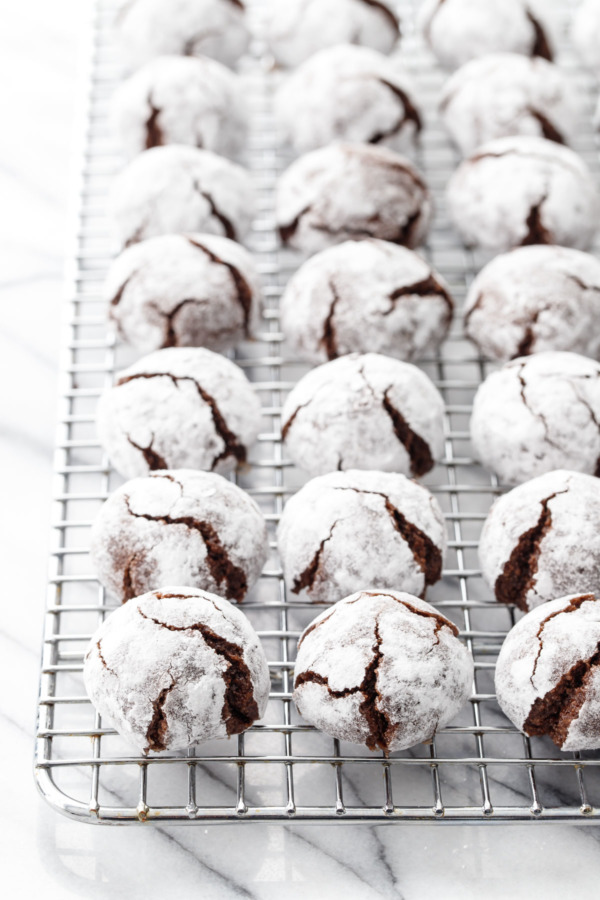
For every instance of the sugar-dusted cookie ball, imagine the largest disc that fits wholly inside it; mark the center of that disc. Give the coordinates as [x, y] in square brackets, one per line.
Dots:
[349, 529]
[523, 190]
[539, 413]
[179, 527]
[179, 408]
[365, 296]
[548, 673]
[534, 299]
[382, 669]
[177, 667]
[586, 34]
[184, 290]
[364, 412]
[542, 539]
[177, 188]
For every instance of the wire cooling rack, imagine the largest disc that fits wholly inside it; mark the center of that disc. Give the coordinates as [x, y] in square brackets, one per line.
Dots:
[478, 769]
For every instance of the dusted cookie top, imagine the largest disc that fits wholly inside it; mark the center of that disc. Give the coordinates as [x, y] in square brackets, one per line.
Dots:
[364, 412]
[539, 413]
[506, 94]
[534, 299]
[179, 408]
[176, 188]
[348, 529]
[181, 527]
[298, 28]
[382, 669]
[548, 673]
[365, 296]
[523, 190]
[177, 667]
[586, 34]
[149, 28]
[181, 100]
[352, 191]
[542, 539]
[351, 94]
[192, 290]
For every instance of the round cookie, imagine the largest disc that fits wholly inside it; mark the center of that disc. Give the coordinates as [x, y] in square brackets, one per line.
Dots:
[535, 299]
[506, 94]
[365, 296]
[296, 29]
[381, 669]
[179, 527]
[347, 93]
[364, 412]
[149, 28]
[348, 191]
[348, 529]
[539, 413]
[586, 34]
[548, 673]
[184, 290]
[523, 190]
[542, 539]
[179, 408]
[180, 100]
[177, 667]
[177, 188]
[460, 30]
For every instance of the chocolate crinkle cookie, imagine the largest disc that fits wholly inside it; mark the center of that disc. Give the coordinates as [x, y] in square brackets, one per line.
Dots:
[548, 673]
[505, 94]
[523, 190]
[542, 539]
[539, 413]
[348, 529]
[184, 290]
[348, 93]
[149, 28]
[176, 188]
[298, 28]
[535, 299]
[382, 669]
[177, 667]
[460, 30]
[364, 411]
[365, 296]
[179, 527]
[348, 191]
[586, 34]
[180, 100]
[179, 408]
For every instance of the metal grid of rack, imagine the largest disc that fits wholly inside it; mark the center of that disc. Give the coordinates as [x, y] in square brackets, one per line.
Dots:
[479, 768]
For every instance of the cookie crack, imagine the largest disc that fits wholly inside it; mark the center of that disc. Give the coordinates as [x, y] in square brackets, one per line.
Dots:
[116, 299]
[154, 132]
[226, 223]
[424, 288]
[409, 114]
[386, 12]
[549, 129]
[536, 415]
[306, 579]
[313, 626]
[243, 289]
[573, 606]
[170, 337]
[440, 620]
[585, 403]
[537, 233]
[153, 459]
[102, 660]
[328, 340]
[156, 733]
[541, 46]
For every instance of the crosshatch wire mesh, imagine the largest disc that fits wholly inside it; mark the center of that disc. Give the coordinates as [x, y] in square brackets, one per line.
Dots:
[478, 769]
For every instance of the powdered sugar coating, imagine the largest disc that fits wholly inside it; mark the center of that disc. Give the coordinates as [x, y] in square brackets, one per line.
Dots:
[505, 94]
[160, 670]
[178, 408]
[192, 290]
[352, 190]
[564, 509]
[176, 188]
[349, 529]
[348, 93]
[149, 28]
[542, 648]
[535, 299]
[586, 33]
[539, 413]
[179, 526]
[364, 411]
[364, 296]
[298, 28]
[381, 669]
[523, 190]
[180, 100]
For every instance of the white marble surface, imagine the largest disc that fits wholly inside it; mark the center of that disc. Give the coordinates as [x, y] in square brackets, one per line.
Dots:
[39, 851]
